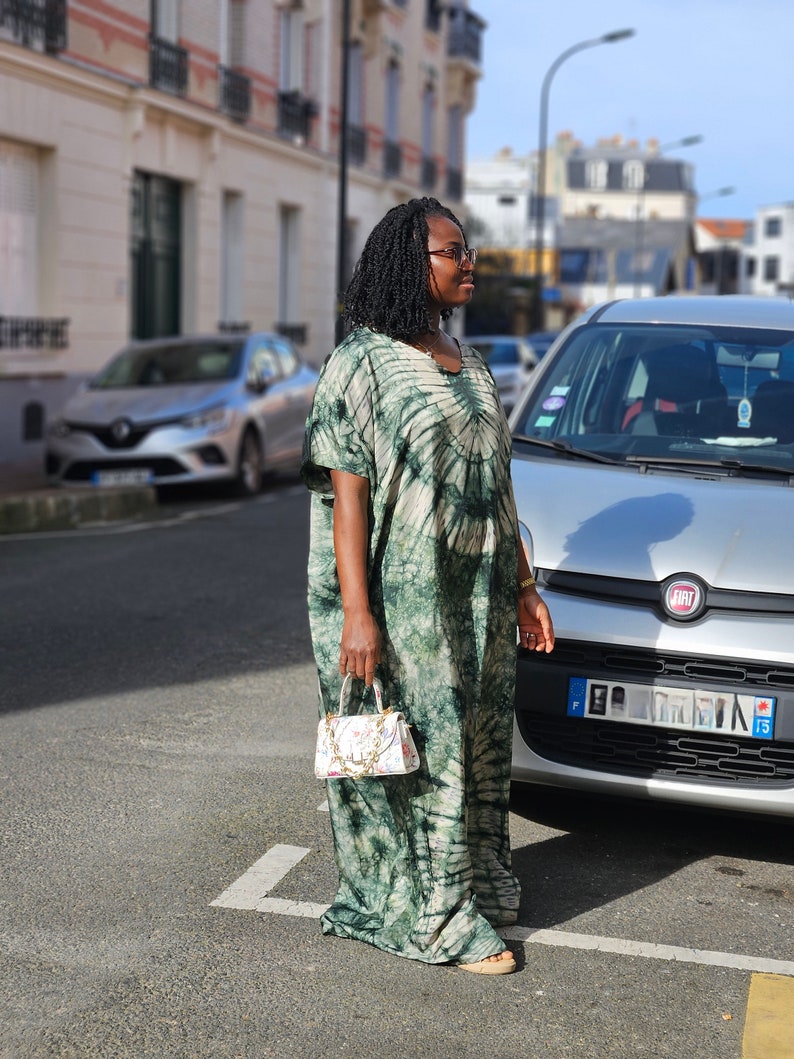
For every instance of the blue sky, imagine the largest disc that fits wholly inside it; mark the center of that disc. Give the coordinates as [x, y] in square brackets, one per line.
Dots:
[722, 69]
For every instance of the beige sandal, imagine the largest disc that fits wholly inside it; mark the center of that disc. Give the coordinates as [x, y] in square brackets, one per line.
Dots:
[489, 967]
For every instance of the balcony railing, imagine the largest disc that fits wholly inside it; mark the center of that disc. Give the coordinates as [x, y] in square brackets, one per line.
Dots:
[168, 66]
[234, 327]
[295, 113]
[297, 333]
[235, 93]
[454, 184]
[357, 144]
[35, 22]
[465, 35]
[34, 332]
[429, 173]
[392, 160]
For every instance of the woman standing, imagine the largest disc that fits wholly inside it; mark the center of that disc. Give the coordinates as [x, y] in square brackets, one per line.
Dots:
[415, 570]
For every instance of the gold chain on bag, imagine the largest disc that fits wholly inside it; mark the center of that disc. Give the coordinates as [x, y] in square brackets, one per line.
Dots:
[369, 762]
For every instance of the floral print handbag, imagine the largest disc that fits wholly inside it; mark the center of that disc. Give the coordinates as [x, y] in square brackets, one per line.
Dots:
[364, 745]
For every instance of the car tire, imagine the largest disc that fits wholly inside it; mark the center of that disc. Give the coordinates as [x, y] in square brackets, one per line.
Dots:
[248, 480]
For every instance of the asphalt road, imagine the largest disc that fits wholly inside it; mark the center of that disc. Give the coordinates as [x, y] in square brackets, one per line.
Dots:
[157, 720]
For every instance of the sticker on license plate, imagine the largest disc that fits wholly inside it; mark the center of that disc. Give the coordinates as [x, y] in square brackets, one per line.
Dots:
[133, 476]
[752, 716]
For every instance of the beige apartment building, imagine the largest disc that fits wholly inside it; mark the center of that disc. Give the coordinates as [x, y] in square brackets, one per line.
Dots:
[172, 166]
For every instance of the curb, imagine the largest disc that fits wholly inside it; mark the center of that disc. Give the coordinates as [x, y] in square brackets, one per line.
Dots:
[58, 510]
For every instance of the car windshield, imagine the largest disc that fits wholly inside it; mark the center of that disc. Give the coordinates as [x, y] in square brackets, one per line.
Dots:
[686, 394]
[171, 365]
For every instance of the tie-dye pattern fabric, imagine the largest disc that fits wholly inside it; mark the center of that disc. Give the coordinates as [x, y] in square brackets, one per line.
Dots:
[424, 859]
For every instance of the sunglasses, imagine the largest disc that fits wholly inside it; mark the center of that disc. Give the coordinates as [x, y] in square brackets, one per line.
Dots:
[458, 254]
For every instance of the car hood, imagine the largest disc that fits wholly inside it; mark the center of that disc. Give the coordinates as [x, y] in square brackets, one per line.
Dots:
[143, 404]
[596, 519]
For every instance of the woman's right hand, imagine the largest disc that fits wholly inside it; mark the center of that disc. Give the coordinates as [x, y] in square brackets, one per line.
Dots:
[360, 649]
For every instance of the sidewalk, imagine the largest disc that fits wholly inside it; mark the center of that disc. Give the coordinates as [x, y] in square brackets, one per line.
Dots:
[28, 504]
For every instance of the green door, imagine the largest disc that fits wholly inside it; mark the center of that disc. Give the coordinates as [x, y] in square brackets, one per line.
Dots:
[156, 272]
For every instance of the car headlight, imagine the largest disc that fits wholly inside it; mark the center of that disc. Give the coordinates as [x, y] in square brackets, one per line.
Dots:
[214, 420]
[58, 428]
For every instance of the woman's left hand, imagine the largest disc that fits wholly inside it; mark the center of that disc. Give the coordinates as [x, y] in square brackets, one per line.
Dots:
[536, 631]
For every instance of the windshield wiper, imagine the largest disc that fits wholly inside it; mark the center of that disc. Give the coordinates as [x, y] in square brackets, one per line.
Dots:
[694, 462]
[567, 448]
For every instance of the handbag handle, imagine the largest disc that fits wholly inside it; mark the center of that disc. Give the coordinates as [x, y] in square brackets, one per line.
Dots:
[376, 687]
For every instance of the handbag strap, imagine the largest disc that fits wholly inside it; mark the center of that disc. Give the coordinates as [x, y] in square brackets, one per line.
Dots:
[376, 687]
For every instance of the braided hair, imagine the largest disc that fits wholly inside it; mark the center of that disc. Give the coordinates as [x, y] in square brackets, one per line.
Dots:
[389, 289]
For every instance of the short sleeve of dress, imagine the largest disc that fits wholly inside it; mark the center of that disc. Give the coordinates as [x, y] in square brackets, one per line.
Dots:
[339, 430]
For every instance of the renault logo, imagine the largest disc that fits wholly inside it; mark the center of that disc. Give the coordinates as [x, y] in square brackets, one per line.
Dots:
[683, 597]
[120, 429]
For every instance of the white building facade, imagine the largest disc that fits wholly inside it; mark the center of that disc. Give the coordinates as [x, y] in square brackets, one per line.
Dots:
[171, 166]
[768, 264]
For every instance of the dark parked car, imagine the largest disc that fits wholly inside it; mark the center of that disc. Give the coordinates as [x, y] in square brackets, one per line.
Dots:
[653, 467]
[187, 409]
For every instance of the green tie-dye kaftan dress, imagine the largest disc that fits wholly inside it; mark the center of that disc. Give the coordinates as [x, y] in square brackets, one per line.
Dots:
[424, 859]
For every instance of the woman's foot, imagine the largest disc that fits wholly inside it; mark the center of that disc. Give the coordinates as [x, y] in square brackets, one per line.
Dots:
[499, 963]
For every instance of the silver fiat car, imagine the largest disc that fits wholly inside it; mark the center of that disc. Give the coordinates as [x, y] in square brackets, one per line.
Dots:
[187, 409]
[653, 466]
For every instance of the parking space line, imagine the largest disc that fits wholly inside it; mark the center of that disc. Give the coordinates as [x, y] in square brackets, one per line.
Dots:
[251, 892]
[278, 906]
[769, 1024]
[247, 891]
[649, 950]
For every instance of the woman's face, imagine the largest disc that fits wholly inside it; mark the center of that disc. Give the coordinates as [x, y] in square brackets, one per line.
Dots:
[450, 286]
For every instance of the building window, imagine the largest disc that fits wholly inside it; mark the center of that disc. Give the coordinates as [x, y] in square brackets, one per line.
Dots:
[455, 121]
[19, 229]
[771, 269]
[231, 306]
[291, 65]
[357, 133]
[773, 227]
[168, 62]
[595, 174]
[288, 303]
[428, 174]
[749, 267]
[633, 175]
[392, 152]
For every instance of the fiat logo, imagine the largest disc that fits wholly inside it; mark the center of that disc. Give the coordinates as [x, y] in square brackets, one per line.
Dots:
[121, 429]
[683, 597]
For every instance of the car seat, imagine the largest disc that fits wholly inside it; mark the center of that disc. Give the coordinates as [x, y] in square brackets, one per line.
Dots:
[773, 411]
[683, 397]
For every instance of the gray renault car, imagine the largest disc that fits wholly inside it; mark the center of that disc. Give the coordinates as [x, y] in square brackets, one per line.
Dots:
[653, 467]
[182, 410]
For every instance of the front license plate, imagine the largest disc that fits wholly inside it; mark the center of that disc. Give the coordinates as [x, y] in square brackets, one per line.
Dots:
[133, 476]
[752, 716]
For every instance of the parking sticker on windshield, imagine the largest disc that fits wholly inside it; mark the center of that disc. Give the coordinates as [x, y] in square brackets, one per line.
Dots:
[553, 404]
[667, 707]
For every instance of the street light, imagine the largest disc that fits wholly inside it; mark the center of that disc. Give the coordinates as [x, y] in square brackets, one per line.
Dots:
[341, 210]
[540, 195]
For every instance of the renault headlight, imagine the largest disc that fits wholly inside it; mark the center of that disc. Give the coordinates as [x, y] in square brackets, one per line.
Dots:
[214, 420]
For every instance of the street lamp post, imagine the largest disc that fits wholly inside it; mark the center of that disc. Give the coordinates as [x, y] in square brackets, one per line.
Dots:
[540, 193]
[341, 219]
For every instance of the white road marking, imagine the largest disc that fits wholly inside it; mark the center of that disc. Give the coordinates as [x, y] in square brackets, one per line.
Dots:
[324, 807]
[251, 892]
[279, 907]
[248, 891]
[623, 947]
